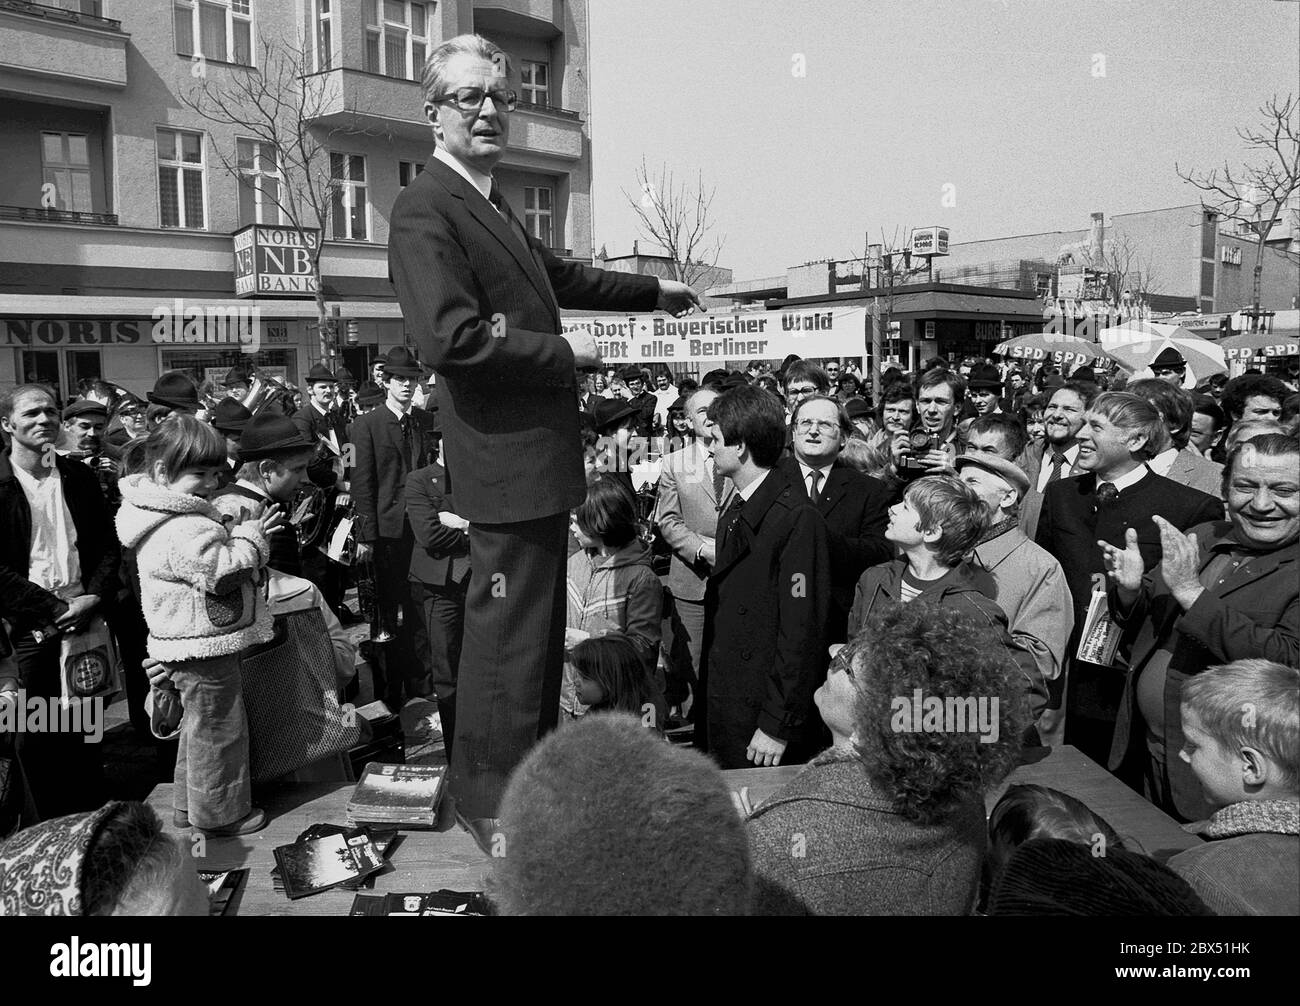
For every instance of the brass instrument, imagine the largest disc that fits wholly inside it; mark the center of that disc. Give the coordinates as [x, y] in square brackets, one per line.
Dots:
[308, 514]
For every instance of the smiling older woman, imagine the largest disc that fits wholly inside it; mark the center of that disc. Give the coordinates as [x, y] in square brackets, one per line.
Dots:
[926, 711]
[1228, 590]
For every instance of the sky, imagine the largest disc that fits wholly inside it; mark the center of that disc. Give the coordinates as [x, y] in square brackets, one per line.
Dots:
[1027, 114]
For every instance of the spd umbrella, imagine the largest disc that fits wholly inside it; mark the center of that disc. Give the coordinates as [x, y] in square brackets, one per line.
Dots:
[1251, 345]
[1051, 347]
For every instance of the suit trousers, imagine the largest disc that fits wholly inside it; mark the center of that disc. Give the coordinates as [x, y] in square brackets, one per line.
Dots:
[65, 773]
[402, 667]
[686, 632]
[512, 660]
[443, 608]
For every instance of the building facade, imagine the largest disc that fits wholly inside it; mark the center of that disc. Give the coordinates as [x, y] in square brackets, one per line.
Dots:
[121, 205]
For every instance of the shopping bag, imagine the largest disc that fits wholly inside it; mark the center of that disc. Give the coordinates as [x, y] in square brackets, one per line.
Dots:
[89, 667]
[294, 715]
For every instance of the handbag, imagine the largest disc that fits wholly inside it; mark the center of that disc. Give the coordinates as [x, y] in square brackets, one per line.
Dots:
[294, 716]
[89, 667]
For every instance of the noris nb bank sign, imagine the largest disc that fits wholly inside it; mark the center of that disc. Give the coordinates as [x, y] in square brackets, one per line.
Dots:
[271, 260]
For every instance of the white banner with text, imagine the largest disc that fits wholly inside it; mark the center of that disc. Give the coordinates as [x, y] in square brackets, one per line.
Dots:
[712, 338]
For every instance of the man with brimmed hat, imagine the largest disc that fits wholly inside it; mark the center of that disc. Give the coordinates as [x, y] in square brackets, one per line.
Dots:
[320, 421]
[238, 381]
[618, 422]
[645, 402]
[1170, 366]
[1022, 577]
[273, 458]
[83, 440]
[983, 391]
[229, 418]
[390, 443]
[367, 396]
[174, 390]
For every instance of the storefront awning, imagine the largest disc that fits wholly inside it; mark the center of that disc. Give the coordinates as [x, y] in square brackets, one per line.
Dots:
[69, 306]
[943, 304]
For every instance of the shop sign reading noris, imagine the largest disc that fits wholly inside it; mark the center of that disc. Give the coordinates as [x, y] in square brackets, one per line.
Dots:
[271, 260]
[747, 335]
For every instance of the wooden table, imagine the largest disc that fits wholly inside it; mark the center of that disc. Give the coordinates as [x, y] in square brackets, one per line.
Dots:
[422, 861]
[1144, 827]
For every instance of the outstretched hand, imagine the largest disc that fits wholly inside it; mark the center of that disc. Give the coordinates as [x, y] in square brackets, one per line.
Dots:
[1179, 563]
[677, 299]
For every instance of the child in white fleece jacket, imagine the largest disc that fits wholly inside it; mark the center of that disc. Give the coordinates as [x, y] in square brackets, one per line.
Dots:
[201, 589]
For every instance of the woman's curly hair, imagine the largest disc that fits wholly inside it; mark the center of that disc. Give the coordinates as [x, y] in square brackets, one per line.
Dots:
[944, 653]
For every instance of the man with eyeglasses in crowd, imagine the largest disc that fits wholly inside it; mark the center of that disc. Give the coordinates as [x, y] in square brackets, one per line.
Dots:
[854, 506]
[482, 299]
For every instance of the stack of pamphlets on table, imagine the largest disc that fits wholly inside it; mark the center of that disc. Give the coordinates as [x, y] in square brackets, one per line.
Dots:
[399, 796]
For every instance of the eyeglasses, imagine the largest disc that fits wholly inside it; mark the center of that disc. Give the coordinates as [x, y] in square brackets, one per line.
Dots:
[804, 389]
[820, 425]
[470, 99]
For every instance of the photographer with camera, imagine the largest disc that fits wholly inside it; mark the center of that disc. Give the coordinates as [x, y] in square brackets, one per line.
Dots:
[931, 445]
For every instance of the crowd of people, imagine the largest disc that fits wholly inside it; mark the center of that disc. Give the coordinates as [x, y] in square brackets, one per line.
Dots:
[905, 592]
[763, 563]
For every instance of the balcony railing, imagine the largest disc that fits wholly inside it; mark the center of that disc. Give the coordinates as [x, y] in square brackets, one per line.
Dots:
[563, 113]
[59, 14]
[56, 216]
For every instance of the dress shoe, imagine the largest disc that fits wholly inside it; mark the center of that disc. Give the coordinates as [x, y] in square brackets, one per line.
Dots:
[253, 821]
[481, 829]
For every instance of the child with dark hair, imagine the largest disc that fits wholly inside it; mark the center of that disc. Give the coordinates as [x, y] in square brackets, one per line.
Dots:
[1027, 812]
[612, 586]
[1241, 736]
[610, 674]
[201, 591]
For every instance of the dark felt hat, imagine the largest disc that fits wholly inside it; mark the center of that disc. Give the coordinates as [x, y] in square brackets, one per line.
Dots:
[1169, 357]
[86, 407]
[268, 435]
[344, 376]
[241, 373]
[401, 362]
[735, 379]
[984, 375]
[1084, 373]
[610, 412]
[230, 416]
[370, 393]
[130, 404]
[631, 373]
[175, 390]
[857, 408]
[320, 372]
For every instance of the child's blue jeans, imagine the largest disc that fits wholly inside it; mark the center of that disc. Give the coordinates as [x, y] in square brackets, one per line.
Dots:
[212, 780]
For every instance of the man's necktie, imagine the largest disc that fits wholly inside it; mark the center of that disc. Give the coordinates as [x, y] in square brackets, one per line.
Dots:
[507, 214]
[1058, 466]
[1106, 495]
[814, 484]
[717, 487]
[729, 519]
[408, 440]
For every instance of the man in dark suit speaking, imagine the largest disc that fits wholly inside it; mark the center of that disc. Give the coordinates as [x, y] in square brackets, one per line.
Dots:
[482, 299]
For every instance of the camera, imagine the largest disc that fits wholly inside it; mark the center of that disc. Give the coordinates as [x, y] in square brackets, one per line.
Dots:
[922, 441]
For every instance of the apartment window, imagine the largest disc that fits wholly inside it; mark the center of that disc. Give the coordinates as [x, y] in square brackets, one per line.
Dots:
[406, 172]
[65, 162]
[535, 82]
[94, 7]
[180, 178]
[259, 183]
[349, 208]
[397, 37]
[324, 35]
[537, 213]
[221, 30]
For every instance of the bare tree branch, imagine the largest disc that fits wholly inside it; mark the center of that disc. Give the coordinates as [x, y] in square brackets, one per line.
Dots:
[678, 217]
[1257, 194]
[282, 103]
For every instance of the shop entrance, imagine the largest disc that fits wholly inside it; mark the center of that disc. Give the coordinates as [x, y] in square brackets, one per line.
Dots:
[61, 369]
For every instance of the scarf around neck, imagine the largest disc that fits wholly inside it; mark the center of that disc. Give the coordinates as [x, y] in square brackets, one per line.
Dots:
[1250, 817]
